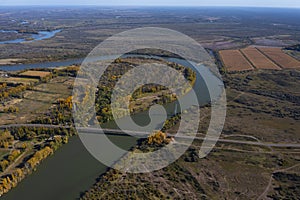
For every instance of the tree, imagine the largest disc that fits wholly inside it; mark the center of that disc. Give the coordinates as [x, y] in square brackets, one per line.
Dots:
[4, 164]
[158, 137]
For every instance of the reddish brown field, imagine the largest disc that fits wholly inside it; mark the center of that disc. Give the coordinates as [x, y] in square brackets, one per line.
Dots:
[259, 60]
[234, 60]
[40, 74]
[280, 58]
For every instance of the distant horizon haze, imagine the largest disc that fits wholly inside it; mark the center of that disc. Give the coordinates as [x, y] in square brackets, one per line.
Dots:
[186, 3]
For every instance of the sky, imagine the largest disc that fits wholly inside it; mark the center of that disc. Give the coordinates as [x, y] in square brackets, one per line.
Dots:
[254, 3]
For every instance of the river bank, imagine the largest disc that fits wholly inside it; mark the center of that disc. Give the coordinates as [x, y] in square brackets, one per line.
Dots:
[58, 181]
[65, 174]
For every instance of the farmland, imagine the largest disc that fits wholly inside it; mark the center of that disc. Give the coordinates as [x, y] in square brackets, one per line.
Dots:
[258, 59]
[280, 58]
[27, 94]
[235, 61]
[38, 74]
[21, 147]
[17, 80]
[37, 101]
[251, 58]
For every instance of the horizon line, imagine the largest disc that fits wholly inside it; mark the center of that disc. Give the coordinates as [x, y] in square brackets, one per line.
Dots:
[187, 6]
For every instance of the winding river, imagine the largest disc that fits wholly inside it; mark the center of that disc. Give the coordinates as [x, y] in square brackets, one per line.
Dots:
[72, 170]
[41, 35]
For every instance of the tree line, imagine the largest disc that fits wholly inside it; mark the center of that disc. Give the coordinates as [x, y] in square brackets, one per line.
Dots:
[54, 138]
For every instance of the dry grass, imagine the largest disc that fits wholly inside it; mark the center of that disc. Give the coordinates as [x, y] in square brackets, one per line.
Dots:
[16, 80]
[259, 60]
[31, 73]
[280, 58]
[235, 61]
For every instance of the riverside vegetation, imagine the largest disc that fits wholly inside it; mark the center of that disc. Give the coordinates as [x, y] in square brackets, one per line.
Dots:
[268, 98]
[29, 146]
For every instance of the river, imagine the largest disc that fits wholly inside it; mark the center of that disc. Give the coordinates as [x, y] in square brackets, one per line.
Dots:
[64, 175]
[72, 170]
[41, 35]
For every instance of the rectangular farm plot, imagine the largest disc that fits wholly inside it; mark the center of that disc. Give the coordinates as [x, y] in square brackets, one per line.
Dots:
[235, 61]
[17, 80]
[280, 58]
[259, 60]
[35, 74]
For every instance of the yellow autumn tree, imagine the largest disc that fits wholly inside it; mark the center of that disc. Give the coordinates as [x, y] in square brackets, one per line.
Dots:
[158, 137]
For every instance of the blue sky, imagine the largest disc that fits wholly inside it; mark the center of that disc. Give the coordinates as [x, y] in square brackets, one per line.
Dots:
[260, 3]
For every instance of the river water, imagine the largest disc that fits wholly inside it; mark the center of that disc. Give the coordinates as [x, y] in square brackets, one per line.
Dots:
[64, 175]
[41, 35]
[72, 170]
